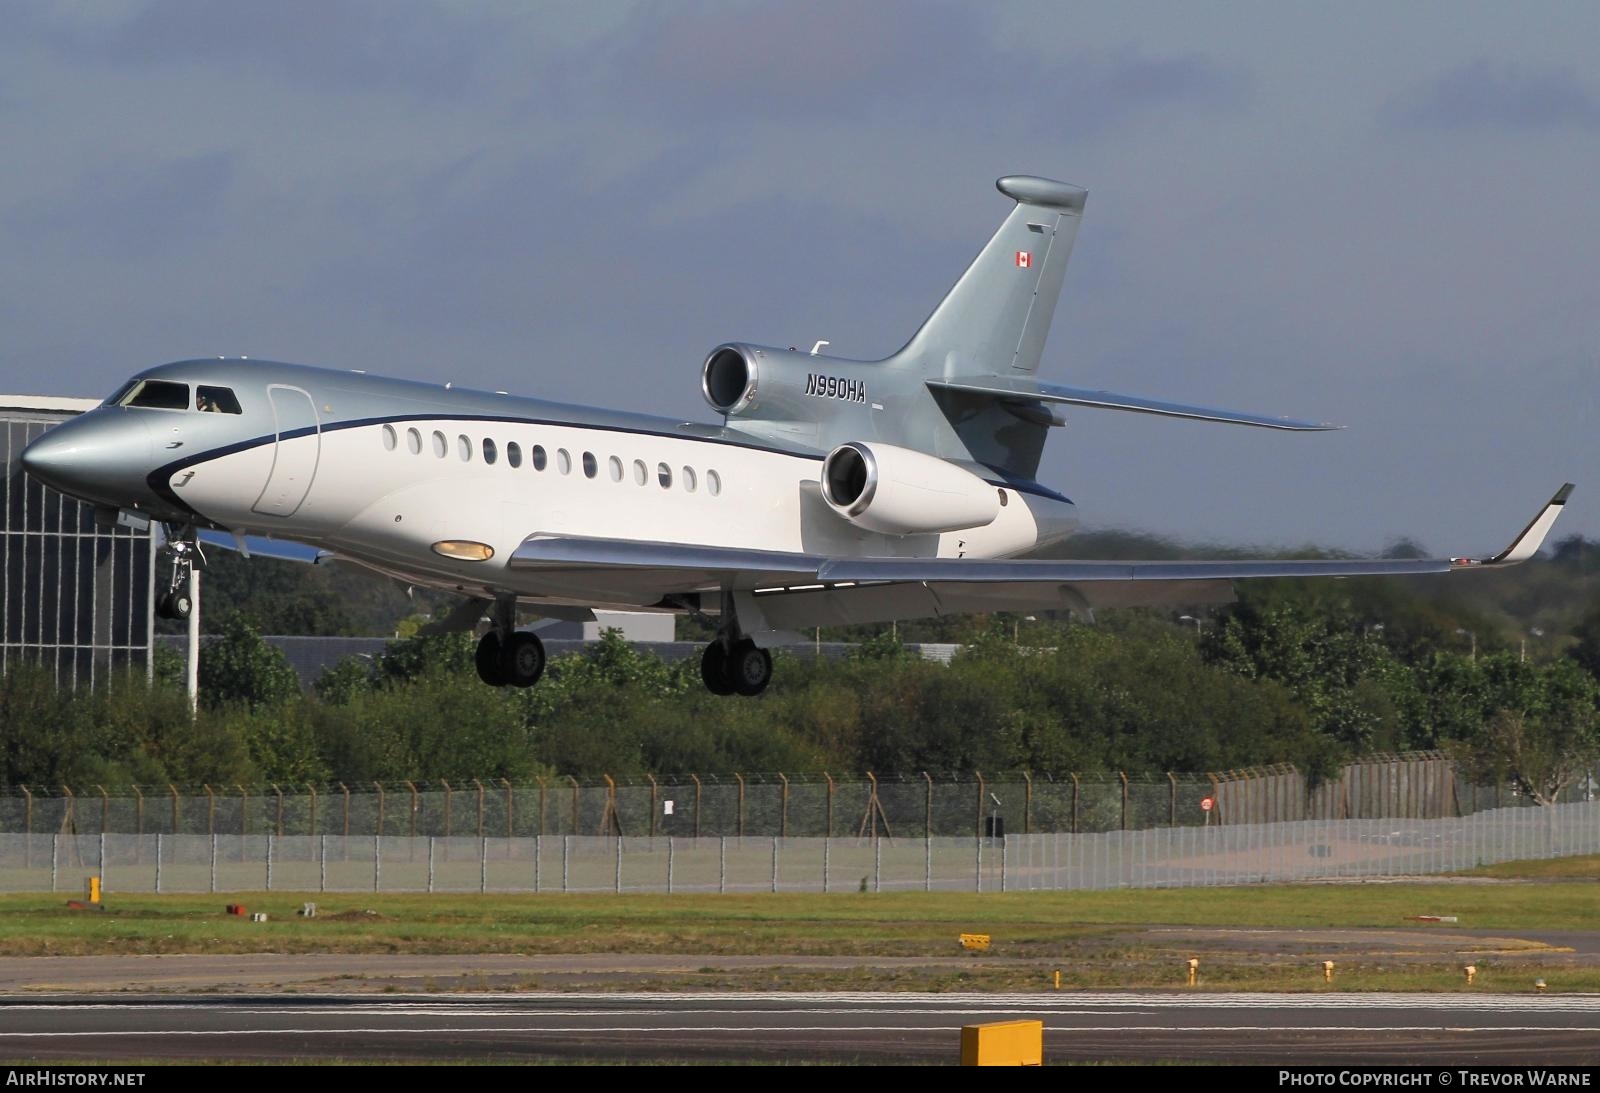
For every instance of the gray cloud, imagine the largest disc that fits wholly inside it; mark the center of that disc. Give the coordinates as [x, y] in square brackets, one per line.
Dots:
[129, 211]
[420, 48]
[897, 59]
[1480, 95]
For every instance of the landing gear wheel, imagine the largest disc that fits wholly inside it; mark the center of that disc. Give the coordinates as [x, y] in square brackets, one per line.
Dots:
[749, 668]
[174, 605]
[714, 669]
[522, 661]
[488, 660]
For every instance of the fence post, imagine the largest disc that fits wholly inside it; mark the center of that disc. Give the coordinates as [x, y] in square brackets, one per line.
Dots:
[775, 864]
[483, 863]
[430, 862]
[877, 865]
[566, 849]
[927, 807]
[783, 810]
[827, 843]
[158, 863]
[618, 885]
[322, 862]
[480, 807]
[1172, 800]
[1216, 798]
[669, 865]
[279, 792]
[415, 808]
[105, 807]
[213, 861]
[138, 811]
[739, 819]
[346, 791]
[696, 779]
[377, 862]
[1027, 802]
[654, 806]
[27, 822]
[722, 863]
[574, 781]
[311, 822]
[244, 813]
[1074, 803]
[977, 830]
[379, 786]
[927, 864]
[72, 808]
[829, 832]
[55, 856]
[541, 806]
[510, 805]
[1124, 776]
[211, 812]
[269, 861]
[101, 863]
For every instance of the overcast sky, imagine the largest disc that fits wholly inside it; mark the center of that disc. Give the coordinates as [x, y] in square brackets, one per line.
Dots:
[1384, 215]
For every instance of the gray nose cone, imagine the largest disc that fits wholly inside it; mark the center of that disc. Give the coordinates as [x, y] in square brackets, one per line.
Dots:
[101, 457]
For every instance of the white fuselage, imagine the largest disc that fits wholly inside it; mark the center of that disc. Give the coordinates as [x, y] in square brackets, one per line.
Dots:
[383, 493]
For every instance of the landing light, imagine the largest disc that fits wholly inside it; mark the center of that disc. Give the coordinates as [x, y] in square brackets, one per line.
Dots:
[464, 549]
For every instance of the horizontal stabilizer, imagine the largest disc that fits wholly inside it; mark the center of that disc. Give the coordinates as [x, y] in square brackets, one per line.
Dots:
[1022, 391]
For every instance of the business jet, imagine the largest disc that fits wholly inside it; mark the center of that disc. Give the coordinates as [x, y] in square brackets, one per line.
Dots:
[834, 491]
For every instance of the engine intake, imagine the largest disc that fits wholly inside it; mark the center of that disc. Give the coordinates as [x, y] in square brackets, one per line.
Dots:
[898, 491]
[728, 379]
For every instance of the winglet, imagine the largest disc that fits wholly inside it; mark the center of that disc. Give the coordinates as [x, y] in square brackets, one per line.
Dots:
[1532, 538]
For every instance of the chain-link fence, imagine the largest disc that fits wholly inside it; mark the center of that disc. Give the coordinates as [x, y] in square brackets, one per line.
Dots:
[920, 805]
[1160, 857]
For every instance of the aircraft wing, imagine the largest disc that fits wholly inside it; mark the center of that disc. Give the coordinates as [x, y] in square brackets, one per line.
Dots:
[802, 590]
[1019, 390]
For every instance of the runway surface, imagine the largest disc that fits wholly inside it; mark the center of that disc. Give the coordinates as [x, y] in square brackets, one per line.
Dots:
[1299, 1029]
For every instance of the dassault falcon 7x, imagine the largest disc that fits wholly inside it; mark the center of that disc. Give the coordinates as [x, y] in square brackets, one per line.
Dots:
[834, 491]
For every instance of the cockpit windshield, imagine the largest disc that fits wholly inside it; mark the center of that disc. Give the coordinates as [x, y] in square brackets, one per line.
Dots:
[156, 395]
[216, 400]
[168, 395]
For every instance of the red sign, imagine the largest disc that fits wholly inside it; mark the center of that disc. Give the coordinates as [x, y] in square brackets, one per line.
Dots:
[1024, 259]
[1206, 804]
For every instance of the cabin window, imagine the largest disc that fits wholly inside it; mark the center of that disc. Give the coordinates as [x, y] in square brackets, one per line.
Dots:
[689, 479]
[464, 448]
[514, 454]
[563, 461]
[615, 466]
[414, 441]
[590, 465]
[157, 395]
[441, 446]
[490, 452]
[539, 460]
[664, 475]
[391, 439]
[713, 483]
[216, 400]
[641, 473]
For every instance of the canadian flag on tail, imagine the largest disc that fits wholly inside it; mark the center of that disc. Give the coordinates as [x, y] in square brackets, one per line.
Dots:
[1024, 259]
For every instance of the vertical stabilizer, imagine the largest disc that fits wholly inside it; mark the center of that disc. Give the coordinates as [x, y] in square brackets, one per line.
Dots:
[994, 321]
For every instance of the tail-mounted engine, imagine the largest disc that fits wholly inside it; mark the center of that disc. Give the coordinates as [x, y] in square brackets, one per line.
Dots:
[898, 491]
[786, 392]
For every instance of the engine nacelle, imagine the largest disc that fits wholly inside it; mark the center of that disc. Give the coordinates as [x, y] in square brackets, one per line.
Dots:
[785, 391]
[898, 491]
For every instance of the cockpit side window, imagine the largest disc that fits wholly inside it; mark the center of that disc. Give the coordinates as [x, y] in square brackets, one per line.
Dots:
[216, 400]
[156, 395]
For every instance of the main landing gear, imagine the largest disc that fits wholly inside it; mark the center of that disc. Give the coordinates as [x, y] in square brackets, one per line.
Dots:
[732, 663]
[177, 602]
[506, 656]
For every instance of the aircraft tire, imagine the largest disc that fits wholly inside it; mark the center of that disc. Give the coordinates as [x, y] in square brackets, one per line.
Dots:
[522, 661]
[749, 668]
[488, 662]
[714, 669]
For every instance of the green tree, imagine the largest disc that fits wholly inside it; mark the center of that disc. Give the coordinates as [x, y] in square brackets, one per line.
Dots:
[239, 667]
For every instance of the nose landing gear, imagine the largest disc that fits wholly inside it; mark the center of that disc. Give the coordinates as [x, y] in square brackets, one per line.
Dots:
[177, 602]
